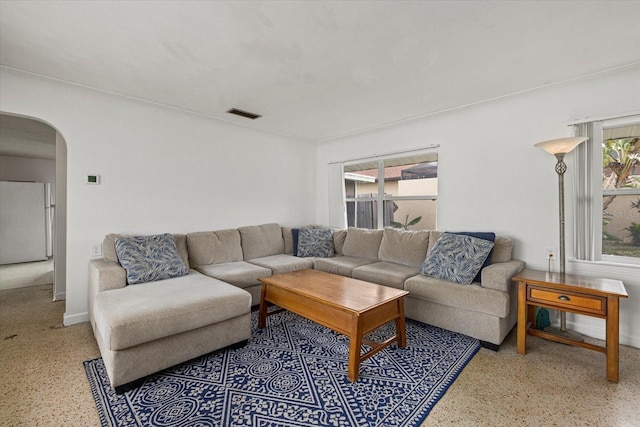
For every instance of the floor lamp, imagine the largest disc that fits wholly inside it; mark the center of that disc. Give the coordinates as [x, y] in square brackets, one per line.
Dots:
[560, 147]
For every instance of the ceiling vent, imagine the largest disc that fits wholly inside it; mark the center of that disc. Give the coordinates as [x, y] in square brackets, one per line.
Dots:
[246, 114]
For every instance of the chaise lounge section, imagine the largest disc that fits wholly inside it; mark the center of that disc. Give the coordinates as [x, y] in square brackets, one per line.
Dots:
[147, 327]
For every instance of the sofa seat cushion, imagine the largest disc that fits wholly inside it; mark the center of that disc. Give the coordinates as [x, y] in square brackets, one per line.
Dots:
[385, 273]
[342, 265]
[283, 263]
[240, 273]
[468, 297]
[138, 314]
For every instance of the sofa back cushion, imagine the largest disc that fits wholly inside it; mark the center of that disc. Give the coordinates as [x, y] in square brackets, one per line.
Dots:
[109, 247]
[214, 247]
[287, 236]
[404, 246]
[434, 235]
[362, 243]
[261, 240]
[502, 250]
[339, 236]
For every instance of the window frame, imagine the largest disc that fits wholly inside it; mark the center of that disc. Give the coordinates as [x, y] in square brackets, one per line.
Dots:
[595, 183]
[380, 198]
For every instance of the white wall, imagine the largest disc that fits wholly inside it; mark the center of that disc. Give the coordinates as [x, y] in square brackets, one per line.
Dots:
[60, 230]
[162, 170]
[27, 169]
[491, 177]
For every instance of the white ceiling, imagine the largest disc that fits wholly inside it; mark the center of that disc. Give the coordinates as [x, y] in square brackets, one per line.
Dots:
[318, 70]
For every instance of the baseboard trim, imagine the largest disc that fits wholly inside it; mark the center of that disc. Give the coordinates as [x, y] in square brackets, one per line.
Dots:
[72, 319]
[600, 333]
[60, 296]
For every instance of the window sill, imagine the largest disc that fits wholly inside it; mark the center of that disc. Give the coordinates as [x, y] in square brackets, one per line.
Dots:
[623, 260]
[628, 273]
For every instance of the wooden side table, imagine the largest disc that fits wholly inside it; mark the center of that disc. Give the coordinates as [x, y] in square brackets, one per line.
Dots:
[589, 296]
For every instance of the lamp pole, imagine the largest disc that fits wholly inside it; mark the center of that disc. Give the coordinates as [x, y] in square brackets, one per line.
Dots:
[561, 168]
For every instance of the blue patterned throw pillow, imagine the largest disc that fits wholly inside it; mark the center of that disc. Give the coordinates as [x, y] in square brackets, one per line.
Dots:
[456, 258]
[149, 258]
[316, 242]
[481, 235]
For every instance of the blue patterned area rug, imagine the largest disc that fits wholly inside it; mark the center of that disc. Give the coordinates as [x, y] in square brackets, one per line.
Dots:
[293, 373]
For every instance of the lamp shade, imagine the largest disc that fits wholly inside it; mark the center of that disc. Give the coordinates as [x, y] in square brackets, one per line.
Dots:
[561, 145]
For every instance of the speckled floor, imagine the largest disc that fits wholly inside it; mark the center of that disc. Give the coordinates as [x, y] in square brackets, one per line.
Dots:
[42, 381]
[26, 274]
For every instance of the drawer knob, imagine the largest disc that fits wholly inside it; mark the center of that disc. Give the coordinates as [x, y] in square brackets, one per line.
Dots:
[564, 298]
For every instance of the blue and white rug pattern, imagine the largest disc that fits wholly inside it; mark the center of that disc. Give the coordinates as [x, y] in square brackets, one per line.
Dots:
[293, 373]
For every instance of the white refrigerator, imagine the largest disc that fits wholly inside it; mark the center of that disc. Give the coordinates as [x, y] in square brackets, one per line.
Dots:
[25, 221]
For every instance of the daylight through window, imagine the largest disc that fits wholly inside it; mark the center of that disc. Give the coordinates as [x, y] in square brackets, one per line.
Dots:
[607, 191]
[393, 192]
[621, 191]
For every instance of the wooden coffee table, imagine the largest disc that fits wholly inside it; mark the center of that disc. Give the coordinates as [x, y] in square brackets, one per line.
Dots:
[348, 306]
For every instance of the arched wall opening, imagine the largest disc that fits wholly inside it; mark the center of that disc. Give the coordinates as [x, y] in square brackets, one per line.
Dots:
[58, 203]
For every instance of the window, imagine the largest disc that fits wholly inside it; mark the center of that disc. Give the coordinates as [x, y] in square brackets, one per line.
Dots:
[399, 192]
[608, 205]
[621, 191]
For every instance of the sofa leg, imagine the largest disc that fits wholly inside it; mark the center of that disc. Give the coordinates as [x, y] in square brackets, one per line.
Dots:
[129, 386]
[490, 345]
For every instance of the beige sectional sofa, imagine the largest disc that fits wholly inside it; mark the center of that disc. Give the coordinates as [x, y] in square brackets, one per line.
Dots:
[143, 328]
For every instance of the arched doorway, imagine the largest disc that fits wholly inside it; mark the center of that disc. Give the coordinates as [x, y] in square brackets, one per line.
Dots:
[32, 150]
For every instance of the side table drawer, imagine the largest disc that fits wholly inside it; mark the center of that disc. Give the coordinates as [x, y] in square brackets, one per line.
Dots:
[568, 300]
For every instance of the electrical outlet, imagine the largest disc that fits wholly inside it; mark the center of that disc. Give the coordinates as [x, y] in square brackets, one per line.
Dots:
[550, 253]
[96, 250]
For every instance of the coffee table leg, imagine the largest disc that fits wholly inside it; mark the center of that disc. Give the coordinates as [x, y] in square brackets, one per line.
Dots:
[262, 316]
[355, 344]
[401, 332]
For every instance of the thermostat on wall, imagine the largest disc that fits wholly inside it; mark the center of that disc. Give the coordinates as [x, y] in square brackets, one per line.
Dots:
[92, 179]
